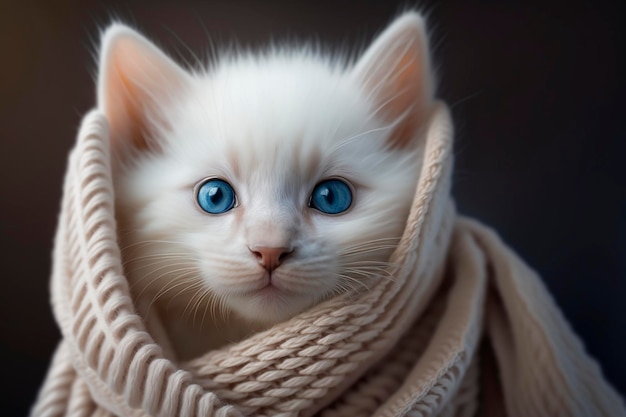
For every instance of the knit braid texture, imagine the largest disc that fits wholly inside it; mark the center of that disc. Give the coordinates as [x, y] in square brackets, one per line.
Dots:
[411, 346]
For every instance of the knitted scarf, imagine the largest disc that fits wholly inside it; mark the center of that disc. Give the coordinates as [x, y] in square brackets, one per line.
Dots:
[464, 328]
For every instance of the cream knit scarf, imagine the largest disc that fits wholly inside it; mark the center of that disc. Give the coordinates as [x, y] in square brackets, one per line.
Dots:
[409, 347]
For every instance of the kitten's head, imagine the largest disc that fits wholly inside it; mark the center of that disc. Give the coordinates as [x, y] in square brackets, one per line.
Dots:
[269, 182]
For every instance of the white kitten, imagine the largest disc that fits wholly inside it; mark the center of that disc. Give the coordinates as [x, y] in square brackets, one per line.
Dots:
[253, 190]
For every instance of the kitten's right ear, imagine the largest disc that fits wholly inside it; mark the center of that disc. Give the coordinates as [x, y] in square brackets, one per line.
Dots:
[134, 79]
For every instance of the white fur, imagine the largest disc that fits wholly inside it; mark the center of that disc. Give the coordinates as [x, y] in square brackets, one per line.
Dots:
[273, 126]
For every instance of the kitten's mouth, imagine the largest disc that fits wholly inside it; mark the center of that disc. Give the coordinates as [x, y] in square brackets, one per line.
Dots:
[269, 299]
[268, 285]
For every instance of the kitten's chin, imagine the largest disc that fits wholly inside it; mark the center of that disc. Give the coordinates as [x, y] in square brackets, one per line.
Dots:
[269, 305]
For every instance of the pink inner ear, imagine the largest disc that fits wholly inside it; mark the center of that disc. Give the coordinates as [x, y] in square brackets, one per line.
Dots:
[137, 79]
[408, 103]
[401, 78]
[404, 95]
[125, 110]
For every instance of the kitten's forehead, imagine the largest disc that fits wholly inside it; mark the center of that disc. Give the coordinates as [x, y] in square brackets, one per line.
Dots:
[282, 118]
[291, 164]
[272, 101]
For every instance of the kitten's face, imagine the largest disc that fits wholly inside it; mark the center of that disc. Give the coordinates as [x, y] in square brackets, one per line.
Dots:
[234, 211]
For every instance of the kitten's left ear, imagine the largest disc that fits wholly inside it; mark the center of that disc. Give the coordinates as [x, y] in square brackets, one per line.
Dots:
[135, 79]
[396, 73]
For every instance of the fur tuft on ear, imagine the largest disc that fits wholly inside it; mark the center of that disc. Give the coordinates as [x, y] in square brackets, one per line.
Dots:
[396, 72]
[134, 79]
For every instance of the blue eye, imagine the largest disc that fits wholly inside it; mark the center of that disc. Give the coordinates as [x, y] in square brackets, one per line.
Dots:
[215, 196]
[331, 197]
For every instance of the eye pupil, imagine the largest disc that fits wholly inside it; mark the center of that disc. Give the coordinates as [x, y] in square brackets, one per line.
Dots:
[331, 197]
[215, 196]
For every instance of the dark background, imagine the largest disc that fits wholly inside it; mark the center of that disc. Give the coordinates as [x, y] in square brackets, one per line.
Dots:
[537, 95]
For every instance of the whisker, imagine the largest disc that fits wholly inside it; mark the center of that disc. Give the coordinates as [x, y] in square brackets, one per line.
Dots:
[353, 280]
[210, 296]
[176, 278]
[165, 289]
[165, 264]
[348, 140]
[150, 242]
[368, 262]
[168, 255]
[150, 274]
[378, 240]
[194, 285]
[194, 303]
[361, 251]
[377, 274]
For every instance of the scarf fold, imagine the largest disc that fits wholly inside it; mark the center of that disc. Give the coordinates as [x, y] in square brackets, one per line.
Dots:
[464, 328]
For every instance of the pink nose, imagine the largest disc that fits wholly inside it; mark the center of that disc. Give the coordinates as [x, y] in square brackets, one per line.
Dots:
[269, 257]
